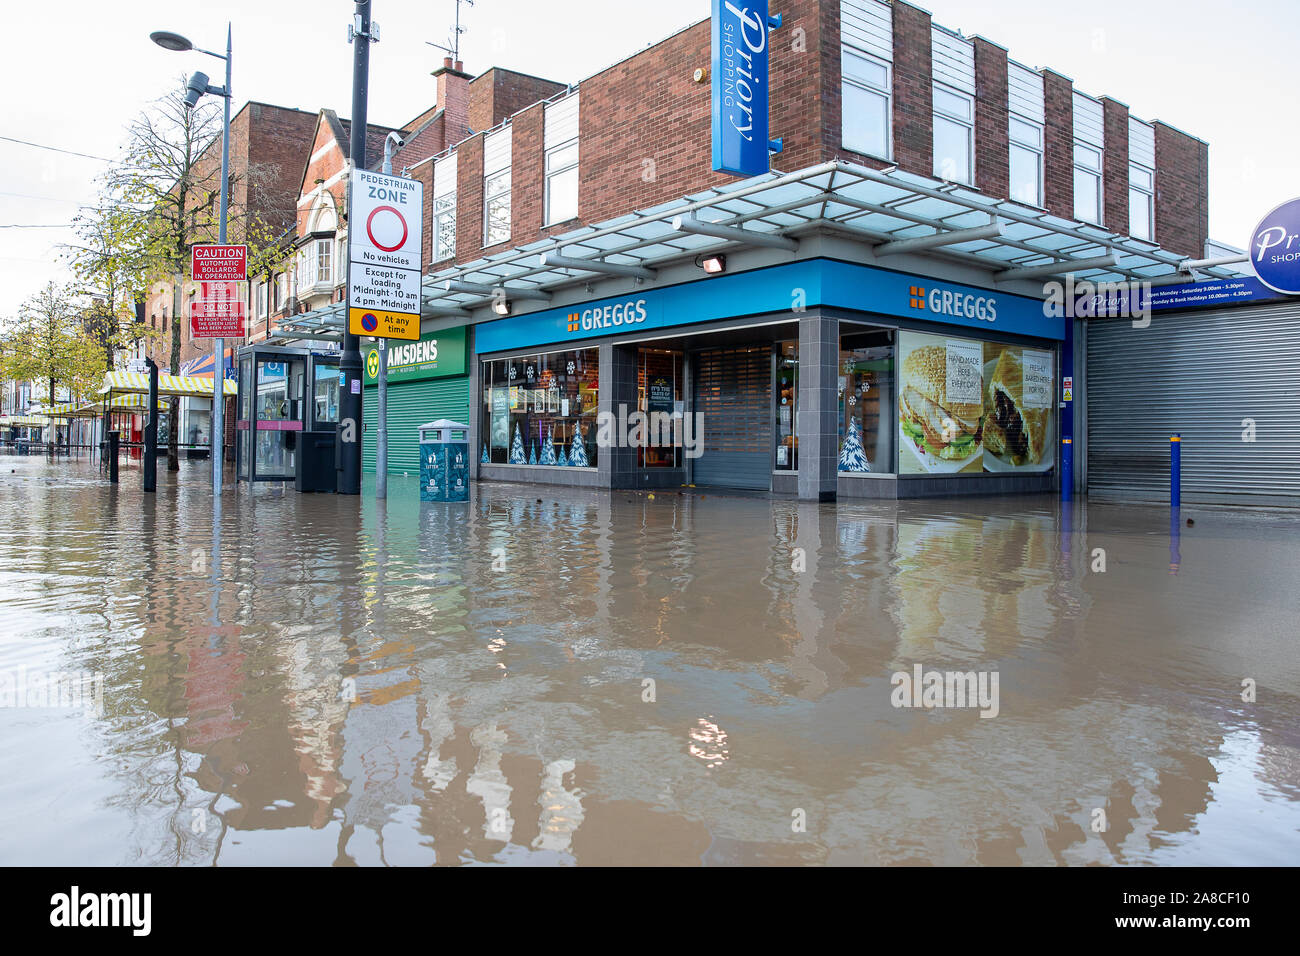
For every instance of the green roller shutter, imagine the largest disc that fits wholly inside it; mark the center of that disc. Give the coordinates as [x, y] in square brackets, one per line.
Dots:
[410, 405]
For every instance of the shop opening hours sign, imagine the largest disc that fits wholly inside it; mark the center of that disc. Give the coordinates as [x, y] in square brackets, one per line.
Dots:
[384, 248]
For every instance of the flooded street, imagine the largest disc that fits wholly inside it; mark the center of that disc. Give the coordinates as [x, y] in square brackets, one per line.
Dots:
[556, 676]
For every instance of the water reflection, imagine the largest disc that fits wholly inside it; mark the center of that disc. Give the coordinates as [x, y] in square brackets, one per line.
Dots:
[313, 679]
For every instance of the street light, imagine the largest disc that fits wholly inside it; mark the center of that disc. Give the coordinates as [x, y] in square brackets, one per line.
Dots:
[195, 88]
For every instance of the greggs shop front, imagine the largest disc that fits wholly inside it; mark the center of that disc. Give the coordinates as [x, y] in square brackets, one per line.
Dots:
[818, 378]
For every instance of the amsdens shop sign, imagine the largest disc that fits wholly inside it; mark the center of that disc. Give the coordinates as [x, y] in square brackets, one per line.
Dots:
[435, 355]
[740, 81]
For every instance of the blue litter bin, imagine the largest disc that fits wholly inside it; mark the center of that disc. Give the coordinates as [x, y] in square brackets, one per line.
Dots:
[444, 461]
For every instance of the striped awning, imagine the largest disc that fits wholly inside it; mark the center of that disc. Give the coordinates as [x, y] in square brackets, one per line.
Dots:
[195, 386]
[131, 402]
[31, 421]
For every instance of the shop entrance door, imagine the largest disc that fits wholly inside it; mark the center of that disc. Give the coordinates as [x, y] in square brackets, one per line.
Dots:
[733, 391]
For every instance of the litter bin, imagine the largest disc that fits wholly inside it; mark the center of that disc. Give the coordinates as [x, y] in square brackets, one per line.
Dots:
[314, 462]
[444, 461]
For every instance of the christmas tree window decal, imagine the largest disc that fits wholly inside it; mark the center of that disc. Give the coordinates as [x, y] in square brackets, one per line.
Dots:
[548, 449]
[579, 457]
[517, 449]
[852, 457]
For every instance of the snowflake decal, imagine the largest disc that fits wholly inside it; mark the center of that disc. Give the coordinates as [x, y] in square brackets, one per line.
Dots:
[571, 368]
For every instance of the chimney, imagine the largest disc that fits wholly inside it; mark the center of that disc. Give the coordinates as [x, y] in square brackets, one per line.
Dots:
[453, 99]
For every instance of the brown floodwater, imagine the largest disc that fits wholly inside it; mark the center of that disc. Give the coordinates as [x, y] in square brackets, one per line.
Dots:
[546, 676]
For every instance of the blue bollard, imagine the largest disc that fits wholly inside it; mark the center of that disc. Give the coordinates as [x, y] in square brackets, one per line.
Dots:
[1175, 470]
[1067, 468]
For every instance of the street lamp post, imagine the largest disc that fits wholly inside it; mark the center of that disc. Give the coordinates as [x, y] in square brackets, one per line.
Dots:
[197, 86]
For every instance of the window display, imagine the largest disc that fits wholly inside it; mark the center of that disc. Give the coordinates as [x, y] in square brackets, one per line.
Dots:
[866, 398]
[969, 407]
[541, 409]
[787, 397]
[659, 396]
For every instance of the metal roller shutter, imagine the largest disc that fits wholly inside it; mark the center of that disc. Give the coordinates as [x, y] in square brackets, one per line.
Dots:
[410, 405]
[733, 390]
[1200, 374]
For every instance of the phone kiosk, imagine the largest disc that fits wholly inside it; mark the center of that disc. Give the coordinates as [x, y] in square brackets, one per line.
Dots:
[288, 398]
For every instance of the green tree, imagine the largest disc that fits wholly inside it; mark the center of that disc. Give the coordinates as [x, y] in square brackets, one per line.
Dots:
[48, 344]
[163, 199]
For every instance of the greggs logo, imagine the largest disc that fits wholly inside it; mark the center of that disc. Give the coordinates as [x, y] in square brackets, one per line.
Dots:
[619, 314]
[959, 305]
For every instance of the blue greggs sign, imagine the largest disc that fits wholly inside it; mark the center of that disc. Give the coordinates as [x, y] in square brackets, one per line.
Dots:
[775, 290]
[740, 86]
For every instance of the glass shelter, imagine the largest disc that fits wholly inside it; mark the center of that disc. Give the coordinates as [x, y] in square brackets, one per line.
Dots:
[282, 393]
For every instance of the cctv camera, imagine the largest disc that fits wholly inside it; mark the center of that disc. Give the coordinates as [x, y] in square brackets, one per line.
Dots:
[196, 87]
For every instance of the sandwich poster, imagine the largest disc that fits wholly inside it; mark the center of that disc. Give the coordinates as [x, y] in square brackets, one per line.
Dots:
[1019, 427]
[940, 404]
[969, 407]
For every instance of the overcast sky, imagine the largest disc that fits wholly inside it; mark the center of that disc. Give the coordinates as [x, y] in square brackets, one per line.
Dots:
[78, 71]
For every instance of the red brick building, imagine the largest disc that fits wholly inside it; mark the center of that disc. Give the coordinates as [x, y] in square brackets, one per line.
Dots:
[928, 183]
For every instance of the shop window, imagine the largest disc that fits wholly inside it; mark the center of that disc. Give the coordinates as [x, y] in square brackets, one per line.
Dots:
[1141, 202]
[954, 134]
[967, 406]
[866, 402]
[1026, 162]
[1087, 183]
[865, 107]
[787, 404]
[659, 398]
[541, 409]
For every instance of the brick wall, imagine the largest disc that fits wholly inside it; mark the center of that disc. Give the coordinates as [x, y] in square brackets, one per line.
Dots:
[1058, 144]
[992, 163]
[453, 96]
[1115, 167]
[913, 90]
[498, 94]
[526, 177]
[469, 199]
[1182, 171]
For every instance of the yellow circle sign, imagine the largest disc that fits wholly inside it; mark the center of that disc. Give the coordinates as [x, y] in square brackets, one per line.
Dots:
[372, 363]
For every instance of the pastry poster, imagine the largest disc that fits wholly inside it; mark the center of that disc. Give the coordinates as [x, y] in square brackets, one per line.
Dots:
[1019, 424]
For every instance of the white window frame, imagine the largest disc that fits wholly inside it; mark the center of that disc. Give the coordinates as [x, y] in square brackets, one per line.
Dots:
[443, 247]
[323, 250]
[496, 208]
[1147, 194]
[1023, 143]
[872, 87]
[1095, 173]
[261, 293]
[966, 123]
[554, 174]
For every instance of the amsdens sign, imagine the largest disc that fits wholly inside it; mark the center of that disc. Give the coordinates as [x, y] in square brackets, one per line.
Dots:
[1275, 249]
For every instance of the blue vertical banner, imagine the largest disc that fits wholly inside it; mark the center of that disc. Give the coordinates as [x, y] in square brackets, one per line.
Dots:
[740, 87]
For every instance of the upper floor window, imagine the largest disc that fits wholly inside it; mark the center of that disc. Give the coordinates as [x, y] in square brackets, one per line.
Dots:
[865, 104]
[444, 208]
[260, 300]
[496, 187]
[1026, 162]
[1141, 202]
[561, 160]
[954, 135]
[1087, 183]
